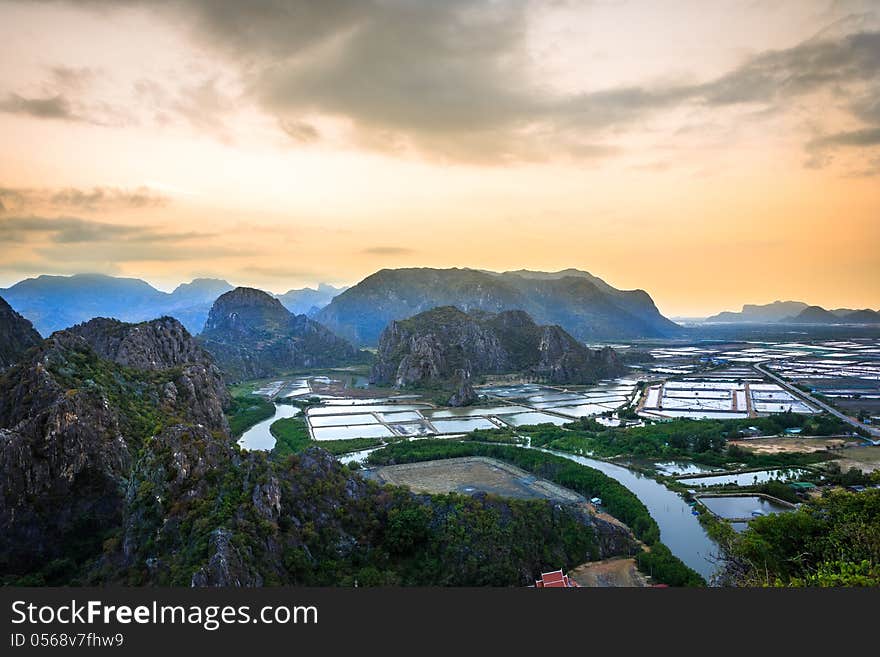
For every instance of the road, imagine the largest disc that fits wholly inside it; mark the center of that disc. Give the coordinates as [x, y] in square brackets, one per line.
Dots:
[825, 407]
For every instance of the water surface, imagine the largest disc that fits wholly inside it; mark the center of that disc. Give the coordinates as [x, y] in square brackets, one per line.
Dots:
[259, 436]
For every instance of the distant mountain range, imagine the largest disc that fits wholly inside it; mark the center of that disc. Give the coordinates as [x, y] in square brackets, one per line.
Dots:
[446, 346]
[53, 303]
[252, 335]
[795, 312]
[582, 304]
[307, 300]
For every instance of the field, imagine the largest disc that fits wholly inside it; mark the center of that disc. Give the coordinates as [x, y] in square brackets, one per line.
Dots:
[790, 445]
[866, 459]
[471, 475]
[609, 573]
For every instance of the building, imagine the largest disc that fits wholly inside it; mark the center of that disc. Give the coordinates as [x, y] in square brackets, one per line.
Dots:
[555, 580]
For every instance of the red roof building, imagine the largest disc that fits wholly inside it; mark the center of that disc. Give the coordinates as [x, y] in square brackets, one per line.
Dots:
[555, 580]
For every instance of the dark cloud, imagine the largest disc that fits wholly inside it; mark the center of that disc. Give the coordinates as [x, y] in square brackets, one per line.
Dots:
[72, 199]
[856, 138]
[73, 230]
[72, 78]
[450, 79]
[54, 107]
[85, 254]
[388, 250]
[299, 131]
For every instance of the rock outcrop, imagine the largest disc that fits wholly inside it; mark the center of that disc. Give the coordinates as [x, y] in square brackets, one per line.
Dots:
[252, 335]
[160, 345]
[448, 346]
[71, 425]
[17, 335]
[584, 305]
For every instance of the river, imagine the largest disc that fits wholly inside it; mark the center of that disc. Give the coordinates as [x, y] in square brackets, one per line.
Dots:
[259, 436]
[680, 530]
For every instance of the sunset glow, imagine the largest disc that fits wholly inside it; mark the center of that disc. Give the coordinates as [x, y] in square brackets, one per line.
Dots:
[713, 159]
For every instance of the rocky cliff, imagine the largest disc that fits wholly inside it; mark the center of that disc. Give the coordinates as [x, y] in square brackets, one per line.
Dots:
[159, 345]
[584, 305]
[447, 345]
[252, 335]
[17, 335]
[71, 424]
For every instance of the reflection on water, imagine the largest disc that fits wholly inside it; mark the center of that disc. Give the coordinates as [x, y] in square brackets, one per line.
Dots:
[744, 506]
[679, 528]
[743, 479]
[259, 436]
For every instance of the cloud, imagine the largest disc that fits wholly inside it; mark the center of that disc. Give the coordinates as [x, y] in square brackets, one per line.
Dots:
[857, 138]
[85, 254]
[299, 131]
[389, 251]
[72, 199]
[54, 107]
[455, 79]
[204, 105]
[74, 230]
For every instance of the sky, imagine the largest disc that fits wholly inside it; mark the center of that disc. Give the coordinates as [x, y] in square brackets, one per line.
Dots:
[710, 153]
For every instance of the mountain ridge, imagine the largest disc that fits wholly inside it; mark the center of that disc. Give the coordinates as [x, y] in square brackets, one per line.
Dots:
[251, 335]
[584, 308]
[446, 345]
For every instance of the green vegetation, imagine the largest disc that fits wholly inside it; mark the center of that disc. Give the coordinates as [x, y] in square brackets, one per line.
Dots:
[292, 436]
[704, 441]
[339, 530]
[501, 436]
[830, 541]
[246, 411]
[134, 393]
[616, 498]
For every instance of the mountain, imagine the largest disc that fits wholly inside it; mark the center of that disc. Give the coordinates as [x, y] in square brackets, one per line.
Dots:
[72, 423]
[446, 345]
[17, 335]
[580, 303]
[116, 469]
[252, 335]
[866, 316]
[56, 302]
[309, 300]
[760, 314]
[191, 302]
[814, 315]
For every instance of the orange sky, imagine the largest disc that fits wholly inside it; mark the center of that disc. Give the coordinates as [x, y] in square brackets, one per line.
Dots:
[711, 156]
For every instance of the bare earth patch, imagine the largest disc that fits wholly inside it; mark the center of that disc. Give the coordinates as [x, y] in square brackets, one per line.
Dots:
[609, 573]
[792, 445]
[866, 459]
[471, 475]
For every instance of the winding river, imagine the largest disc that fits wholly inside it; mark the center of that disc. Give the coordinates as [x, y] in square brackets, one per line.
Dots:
[259, 436]
[679, 528]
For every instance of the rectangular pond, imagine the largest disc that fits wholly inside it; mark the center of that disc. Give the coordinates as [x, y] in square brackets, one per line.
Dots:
[462, 425]
[739, 507]
[744, 478]
[342, 420]
[344, 433]
[525, 419]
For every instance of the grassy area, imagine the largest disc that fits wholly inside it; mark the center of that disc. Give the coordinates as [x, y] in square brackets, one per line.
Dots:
[292, 436]
[246, 411]
[703, 441]
[616, 498]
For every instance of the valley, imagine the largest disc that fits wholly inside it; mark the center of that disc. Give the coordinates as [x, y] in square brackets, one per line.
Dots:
[657, 450]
